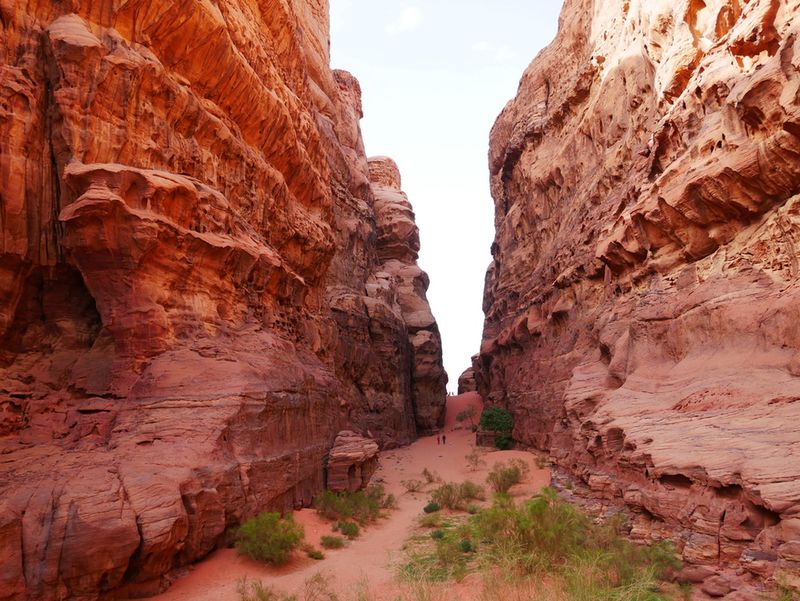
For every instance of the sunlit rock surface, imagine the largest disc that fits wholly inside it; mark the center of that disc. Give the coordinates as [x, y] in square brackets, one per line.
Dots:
[190, 247]
[642, 306]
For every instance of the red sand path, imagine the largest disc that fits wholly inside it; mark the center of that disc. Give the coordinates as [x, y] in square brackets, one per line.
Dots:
[372, 556]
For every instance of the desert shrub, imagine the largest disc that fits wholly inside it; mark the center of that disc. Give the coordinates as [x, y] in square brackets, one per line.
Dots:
[269, 537]
[257, 591]
[504, 442]
[496, 419]
[319, 588]
[505, 475]
[363, 506]
[431, 477]
[448, 495]
[431, 520]
[473, 509]
[466, 546]
[331, 542]
[471, 491]
[349, 529]
[315, 554]
[413, 485]
[431, 507]
[474, 461]
[437, 534]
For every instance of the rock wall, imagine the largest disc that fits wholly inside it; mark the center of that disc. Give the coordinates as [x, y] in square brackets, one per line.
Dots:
[189, 243]
[642, 306]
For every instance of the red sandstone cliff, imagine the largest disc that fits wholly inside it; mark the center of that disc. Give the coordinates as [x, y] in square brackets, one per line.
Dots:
[194, 291]
[642, 307]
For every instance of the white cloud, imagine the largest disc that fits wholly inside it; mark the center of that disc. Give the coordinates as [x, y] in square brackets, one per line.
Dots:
[409, 19]
[502, 54]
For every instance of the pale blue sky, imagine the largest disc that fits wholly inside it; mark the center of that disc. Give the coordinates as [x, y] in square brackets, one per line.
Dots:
[434, 76]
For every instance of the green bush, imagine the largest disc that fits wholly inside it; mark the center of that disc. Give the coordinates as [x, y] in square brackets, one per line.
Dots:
[269, 537]
[363, 506]
[437, 534]
[431, 507]
[505, 475]
[431, 520]
[496, 419]
[466, 546]
[331, 542]
[473, 509]
[448, 495]
[349, 529]
[471, 491]
[504, 442]
[315, 554]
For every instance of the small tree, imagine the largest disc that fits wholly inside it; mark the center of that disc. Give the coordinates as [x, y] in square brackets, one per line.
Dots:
[496, 419]
[269, 537]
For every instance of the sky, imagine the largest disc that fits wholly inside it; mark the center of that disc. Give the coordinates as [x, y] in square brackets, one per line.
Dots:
[434, 76]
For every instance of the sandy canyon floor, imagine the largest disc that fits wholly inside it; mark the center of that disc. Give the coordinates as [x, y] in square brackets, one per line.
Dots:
[369, 563]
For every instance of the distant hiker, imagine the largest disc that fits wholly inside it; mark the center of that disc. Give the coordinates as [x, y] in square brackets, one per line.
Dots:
[438, 439]
[444, 439]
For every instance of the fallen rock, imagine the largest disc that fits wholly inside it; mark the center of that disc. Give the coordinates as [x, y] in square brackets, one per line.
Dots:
[716, 586]
[351, 462]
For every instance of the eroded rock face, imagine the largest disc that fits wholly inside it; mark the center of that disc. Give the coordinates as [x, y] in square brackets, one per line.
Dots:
[189, 241]
[642, 305]
[351, 462]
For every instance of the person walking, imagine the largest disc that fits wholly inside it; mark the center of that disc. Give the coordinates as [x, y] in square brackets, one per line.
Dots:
[444, 439]
[438, 439]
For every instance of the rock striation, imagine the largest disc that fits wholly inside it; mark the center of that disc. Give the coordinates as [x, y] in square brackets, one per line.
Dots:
[194, 296]
[642, 304]
[351, 462]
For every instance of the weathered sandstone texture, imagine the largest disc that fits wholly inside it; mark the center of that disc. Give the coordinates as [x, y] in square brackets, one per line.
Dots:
[466, 381]
[351, 462]
[643, 305]
[190, 249]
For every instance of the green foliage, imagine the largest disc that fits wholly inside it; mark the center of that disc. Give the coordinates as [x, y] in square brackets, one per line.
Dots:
[437, 534]
[505, 475]
[431, 507]
[448, 495]
[504, 442]
[349, 529]
[413, 485]
[466, 546]
[454, 496]
[363, 506]
[331, 542]
[496, 419]
[257, 591]
[546, 535]
[473, 509]
[471, 491]
[431, 520]
[268, 537]
[315, 554]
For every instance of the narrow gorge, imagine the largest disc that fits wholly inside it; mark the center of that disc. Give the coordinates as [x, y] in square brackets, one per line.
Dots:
[204, 280]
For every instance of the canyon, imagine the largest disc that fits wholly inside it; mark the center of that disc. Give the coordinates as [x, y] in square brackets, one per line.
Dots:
[209, 294]
[203, 279]
[642, 304]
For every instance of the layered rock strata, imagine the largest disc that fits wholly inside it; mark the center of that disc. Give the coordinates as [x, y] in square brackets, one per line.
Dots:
[351, 462]
[642, 305]
[188, 247]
